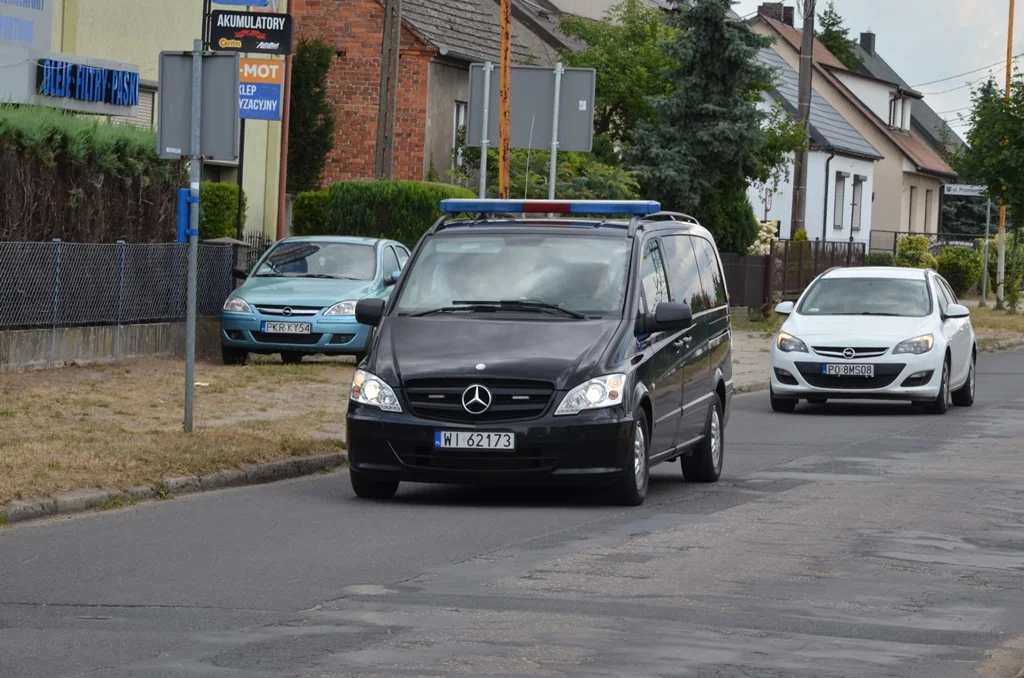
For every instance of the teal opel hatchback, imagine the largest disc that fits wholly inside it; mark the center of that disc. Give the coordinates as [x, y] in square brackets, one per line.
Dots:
[300, 298]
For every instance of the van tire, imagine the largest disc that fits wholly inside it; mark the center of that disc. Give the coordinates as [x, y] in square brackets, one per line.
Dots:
[629, 491]
[704, 464]
[366, 487]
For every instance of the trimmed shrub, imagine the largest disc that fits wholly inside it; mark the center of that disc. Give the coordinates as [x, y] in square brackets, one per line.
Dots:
[913, 243]
[309, 213]
[218, 210]
[880, 259]
[800, 235]
[916, 259]
[400, 210]
[961, 267]
[83, 180]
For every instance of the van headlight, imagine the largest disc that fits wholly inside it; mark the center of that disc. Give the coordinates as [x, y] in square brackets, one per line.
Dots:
[371, 390]
[915, 346]
[601, 392]
[341, 308]
[237, 305]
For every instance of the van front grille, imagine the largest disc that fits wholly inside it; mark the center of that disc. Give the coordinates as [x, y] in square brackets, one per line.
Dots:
[511, 400]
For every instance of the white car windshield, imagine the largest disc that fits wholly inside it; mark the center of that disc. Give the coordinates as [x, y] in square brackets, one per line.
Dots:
[307, 259]
[576, 273]
[868, 296]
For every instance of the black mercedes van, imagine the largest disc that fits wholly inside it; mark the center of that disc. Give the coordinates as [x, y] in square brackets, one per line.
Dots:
[572, 347]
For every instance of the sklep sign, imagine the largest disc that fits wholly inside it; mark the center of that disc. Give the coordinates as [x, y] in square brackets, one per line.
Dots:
[254, 32]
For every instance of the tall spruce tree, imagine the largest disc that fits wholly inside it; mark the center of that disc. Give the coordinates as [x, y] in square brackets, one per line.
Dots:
[706, 145]
[311, 123]
[836, 37]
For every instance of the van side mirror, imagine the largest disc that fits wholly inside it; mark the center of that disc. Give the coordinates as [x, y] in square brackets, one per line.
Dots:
[392, 279]
[670, 317]
[785, 308]
[369, 311]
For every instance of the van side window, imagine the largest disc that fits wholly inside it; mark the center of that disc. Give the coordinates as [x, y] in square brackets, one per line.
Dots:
[683, 274]
[710, 272]
[652, 272]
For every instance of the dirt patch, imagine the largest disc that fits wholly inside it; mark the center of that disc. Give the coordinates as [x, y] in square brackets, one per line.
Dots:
[1006, 661]
[113, 426]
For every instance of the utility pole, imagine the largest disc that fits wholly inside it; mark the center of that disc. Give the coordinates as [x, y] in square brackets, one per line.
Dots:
[387, 106]
[504, 103]
[803, 116]
[1000, 274]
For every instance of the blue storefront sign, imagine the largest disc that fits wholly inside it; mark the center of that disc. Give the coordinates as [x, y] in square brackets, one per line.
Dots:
[259, 89]
[66, 80]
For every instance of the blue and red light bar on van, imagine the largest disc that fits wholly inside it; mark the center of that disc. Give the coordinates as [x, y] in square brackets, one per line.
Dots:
[475, 206]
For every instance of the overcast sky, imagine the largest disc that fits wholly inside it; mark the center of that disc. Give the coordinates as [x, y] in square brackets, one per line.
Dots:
[926, 40]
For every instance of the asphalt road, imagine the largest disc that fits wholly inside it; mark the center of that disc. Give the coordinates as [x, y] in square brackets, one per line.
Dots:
[844, 540]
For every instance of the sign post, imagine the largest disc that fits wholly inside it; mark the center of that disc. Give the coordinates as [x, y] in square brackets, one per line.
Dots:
[974, 191]
[193, 233]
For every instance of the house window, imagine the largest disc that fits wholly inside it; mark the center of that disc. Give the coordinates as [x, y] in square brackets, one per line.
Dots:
[913, 209]
[461, 108]
[928, 195]
[858, 199]
[840, 199]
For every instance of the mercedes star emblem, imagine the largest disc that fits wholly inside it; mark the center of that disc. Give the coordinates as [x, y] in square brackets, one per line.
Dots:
[476, 399]
[849, 354]
[287, 310]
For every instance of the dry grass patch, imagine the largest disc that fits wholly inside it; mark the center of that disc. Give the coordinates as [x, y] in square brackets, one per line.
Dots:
[120, 425]
[993, 326]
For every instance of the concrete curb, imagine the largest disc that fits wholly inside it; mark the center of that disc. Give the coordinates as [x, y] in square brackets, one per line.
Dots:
[740, 389]
[80, 501]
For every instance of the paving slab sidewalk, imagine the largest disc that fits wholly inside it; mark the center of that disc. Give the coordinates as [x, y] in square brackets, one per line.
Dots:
[750, 362]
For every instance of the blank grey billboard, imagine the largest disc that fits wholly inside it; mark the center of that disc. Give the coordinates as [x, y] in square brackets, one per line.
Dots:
[533, 102]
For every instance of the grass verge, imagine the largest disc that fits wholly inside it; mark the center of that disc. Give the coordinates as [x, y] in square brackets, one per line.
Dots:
[117, 426]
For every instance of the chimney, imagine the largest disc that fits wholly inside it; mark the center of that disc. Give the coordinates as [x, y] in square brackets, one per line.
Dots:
[788, 16]
[772, 10]
[867, 42]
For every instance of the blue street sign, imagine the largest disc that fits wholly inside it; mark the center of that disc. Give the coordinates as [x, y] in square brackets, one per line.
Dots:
[259, 89]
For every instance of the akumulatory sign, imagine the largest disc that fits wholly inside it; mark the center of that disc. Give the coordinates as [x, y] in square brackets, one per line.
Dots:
[255, 32]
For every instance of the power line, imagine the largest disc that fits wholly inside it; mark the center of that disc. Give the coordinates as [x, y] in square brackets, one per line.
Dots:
[964, 86]
[960, 75]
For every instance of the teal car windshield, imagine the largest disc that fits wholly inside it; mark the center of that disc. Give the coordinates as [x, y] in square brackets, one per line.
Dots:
[576, 273]
[312, 259]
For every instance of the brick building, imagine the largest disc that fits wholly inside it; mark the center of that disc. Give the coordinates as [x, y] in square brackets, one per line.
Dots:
[440, 39]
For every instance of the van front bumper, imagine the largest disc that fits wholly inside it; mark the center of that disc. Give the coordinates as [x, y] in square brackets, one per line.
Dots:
[591, 448]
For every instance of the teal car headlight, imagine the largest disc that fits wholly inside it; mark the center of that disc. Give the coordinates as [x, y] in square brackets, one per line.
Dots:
[237, 305]
[341, 308]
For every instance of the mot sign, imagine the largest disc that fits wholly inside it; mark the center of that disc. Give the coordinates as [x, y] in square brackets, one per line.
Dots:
[259, 89]
[964, 190]
[253, 32]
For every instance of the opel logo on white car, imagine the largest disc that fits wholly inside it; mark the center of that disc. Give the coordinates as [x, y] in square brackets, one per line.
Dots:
[476, 399]
[849, 354]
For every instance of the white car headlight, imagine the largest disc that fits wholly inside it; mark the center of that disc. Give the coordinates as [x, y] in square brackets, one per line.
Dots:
[601, 392]
[237, 305]
[371, 390]
[915, 346]
[787, 343]
[341, 308]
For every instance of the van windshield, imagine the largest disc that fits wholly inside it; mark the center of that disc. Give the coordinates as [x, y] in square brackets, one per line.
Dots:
[578, 273]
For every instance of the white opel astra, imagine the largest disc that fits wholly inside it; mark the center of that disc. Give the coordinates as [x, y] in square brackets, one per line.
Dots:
[875, 334]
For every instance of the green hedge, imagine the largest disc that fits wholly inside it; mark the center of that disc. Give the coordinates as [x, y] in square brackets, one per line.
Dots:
[218, 210]
[961, 267]
[309, 213]
[917, 259]
[400, 210]
[880, 259]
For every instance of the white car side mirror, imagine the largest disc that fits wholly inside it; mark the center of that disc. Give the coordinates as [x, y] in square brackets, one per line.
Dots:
[785, 308]
[957, 311]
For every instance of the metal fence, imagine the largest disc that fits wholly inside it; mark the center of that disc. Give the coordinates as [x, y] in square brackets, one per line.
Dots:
[745, 279]
[888, 241]
[59, 284]
[258, 245]
[793, 265]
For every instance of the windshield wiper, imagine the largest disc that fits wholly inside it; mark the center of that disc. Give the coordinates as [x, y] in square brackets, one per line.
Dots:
[527, 304]
[459, 308]
[892, 315]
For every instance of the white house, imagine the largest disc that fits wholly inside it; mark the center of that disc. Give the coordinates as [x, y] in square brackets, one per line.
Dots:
[840, 169]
